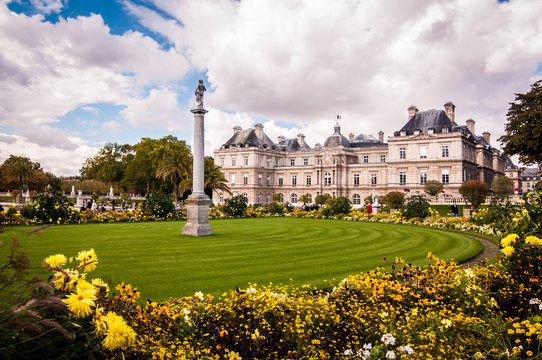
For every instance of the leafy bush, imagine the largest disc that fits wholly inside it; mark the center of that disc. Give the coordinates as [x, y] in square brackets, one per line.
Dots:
[235, 206]
[321, 199]
[433, 187]
[394, 199]
[334, 206]
[416, 207]
[275, 208]
[474, 192]
[158, 204]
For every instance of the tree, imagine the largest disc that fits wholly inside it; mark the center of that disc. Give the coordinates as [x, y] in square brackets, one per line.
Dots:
[304, 199]
[236, 206]
[433, 187]
[175, 166]
[275, 197]
[394, 199]
[109, 164]
[213, 178]
[321, 199]
[17, 171]
[474, 192]
[523, 132]
[416, 206]
[502, 186]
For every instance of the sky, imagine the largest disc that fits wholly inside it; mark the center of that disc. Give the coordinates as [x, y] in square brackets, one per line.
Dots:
[76, 74]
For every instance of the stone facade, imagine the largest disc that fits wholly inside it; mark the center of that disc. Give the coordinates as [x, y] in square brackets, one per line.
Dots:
[431, 146]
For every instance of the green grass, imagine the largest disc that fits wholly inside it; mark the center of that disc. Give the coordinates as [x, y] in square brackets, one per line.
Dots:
[156, 258]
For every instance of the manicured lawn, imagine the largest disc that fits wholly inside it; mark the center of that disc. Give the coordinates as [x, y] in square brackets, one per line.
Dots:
[156, 258]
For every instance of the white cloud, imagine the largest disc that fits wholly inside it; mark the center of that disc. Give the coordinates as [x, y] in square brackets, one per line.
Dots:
[112, 126]
[90, 109]
[47, 6]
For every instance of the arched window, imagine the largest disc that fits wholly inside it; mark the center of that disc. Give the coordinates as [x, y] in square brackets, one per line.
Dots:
[259, 198]
[294, 198]
[281, 198]
[327, 179]
[356, 199]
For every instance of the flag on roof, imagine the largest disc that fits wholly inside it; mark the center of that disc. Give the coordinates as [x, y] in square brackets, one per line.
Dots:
[338, 117]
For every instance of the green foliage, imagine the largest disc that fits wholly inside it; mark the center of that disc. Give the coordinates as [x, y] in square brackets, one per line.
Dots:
[394, 199]
[275, 208]
[416, 207]
[158, 204]
[474, 192]
[304, 199]
[235, 206]
[321, 199]
[523, 132]
[433, 187]
[109, 165]
[335, 206]
[175, 166]
[502, 186]
[276, 197]
[368, 200]
[17, 171]
[94, 197]
[49, 208]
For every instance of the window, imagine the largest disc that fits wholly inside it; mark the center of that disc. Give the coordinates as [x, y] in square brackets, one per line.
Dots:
[259, 198]
[245, 179]
[444, 130]
[465, 175]
[220, 198]
[245, 160]
[382, 158]
[365, 159]
[445, 176]
[327, 179]
[431, 131]
[292, 162]
[268, 162]
[245, 195]
[356, 199]
[268, 180]
[403, 133]
[309, 180]
[373, 179]
[423, 152]
[233, 179]
[445, 152]
[233, 161]
[402, 177]
[277, 162]
[402, 153]
[356, 179]
[294, 198]
[294, 180]
[259, 180]
[259, 161]
[267, 198]
[222, 161]
[281, 181]
[423, 177]
[305, 161]
[281, 198]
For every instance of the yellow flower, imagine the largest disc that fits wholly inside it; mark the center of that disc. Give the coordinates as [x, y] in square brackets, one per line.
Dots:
[87, 256]
[509, 240]
[63, 282]
[508, 250]
[316, 342]
[234, 356]
[529, 353]
[100, 285]
[99, 323]
[118, 333]
[57, 260]
[533, 240]
[81, 301]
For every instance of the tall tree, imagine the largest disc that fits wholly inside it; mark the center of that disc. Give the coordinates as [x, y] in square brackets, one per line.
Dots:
[502, 186]
[109, 164]
[523, 132]
[175, 165]
[213, 178]
[474, 192]
[18, 170]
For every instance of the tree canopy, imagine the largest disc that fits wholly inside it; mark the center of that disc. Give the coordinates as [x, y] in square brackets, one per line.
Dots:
[523, 132]
[433, 187]
[474, 192]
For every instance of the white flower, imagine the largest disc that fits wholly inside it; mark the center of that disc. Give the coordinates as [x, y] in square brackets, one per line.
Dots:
[368, 346]
[390, 355]
[251, 290]
[535, 301]
[406, 349]
[388, 339]
[199, 295]
[349, 352]
[446, 322]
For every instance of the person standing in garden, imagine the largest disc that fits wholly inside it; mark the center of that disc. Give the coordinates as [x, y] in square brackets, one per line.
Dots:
[369, 209]
[454, 210]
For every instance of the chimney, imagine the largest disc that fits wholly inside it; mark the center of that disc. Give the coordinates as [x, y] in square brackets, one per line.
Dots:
[351, 137]
[259, 130]
[412, 110]
[236, 129]
[381, 136]
[281, 138]
[487, 136]
[470, 125]
[301, 139]
[449, 108]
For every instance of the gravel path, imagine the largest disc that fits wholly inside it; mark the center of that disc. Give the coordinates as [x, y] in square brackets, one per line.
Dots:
[491, 250]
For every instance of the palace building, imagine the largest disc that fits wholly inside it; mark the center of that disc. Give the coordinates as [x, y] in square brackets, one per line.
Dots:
[430, 146]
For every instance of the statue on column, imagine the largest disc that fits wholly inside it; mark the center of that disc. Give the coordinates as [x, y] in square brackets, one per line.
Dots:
[199, 94]
[375, 198]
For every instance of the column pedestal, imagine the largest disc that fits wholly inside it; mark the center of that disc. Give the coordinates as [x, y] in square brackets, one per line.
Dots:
[197, 213]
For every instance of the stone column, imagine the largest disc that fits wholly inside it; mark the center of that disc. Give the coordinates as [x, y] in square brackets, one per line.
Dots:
[197, 204]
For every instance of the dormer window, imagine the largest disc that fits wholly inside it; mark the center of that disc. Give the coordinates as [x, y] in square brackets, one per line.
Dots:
[445, 130]
[416, 132]
[403, 133]
[431, 131]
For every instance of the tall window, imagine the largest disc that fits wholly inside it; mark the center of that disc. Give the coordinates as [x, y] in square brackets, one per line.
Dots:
[268, 162]
[245, 179]
[402, 153]
[423, 152]
[245, 160]
[309, 180]
[222, 161]
[221, 198]
[277, 162]
[259, 180]
[305, 161]
[294, 198]
[281, 198]
[445, 152]
[233, 179]
[382, 158]
[356, 199]
[373, 179]
[281, 181]
[233, 160]
[292, 162]
[365, 159]
[268, 180]
[445, 176]
[402, 177]
[259, 161]
[294, 180]
[356, 179]
[267, 198]
[259, 198]
[423, 177]
[327, 179]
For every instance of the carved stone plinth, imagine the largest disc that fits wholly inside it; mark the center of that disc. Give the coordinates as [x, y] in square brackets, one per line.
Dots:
[197, 213]
[376, 209]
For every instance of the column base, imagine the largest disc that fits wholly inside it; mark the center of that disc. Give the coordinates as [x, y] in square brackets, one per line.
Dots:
[197, 214]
